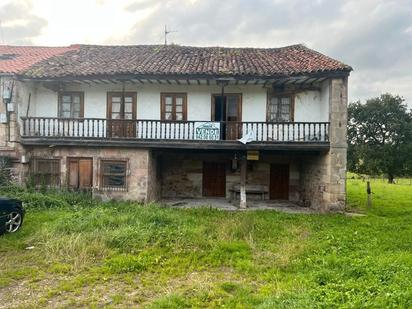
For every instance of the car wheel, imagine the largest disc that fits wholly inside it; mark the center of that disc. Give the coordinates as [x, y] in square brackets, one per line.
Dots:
[14, 221]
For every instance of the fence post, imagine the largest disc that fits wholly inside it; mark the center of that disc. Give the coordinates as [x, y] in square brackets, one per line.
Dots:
[369, 192]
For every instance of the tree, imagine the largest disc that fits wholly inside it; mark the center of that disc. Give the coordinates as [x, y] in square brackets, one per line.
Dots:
[380, 137]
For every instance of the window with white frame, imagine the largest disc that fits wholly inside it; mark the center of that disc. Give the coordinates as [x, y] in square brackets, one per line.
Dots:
[71, 104]
[280, 108]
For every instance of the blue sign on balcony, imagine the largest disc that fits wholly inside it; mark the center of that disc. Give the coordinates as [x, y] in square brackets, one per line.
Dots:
[207, 131]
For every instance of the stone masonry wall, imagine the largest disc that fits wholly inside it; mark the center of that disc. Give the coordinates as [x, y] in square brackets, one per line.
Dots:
[313, 171]
[182, 174]
[9, 132]
[324, 178]
[138, 168]
[154, 180]
[336, 160]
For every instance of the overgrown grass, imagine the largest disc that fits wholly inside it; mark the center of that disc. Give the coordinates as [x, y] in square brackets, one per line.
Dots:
[121, 254]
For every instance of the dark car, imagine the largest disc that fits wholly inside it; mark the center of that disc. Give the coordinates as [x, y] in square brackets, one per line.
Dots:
[11, 215]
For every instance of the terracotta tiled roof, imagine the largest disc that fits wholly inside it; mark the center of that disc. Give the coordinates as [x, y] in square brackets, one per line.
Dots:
[14, 59]
[174, 60]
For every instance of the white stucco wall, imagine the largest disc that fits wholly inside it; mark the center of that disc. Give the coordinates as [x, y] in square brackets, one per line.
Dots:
[309, 105]
[313, 106]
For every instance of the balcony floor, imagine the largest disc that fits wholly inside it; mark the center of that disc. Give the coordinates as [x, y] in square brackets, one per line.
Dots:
[176, 144]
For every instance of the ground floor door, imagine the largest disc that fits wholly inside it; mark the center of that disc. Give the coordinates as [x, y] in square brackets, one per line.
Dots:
[279, 182]
[214, 179]
[80, 173]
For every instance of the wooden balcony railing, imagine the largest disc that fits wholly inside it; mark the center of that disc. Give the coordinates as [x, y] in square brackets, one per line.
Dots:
[98, 128]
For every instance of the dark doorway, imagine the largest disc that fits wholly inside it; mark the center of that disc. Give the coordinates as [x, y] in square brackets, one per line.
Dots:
[80, 173]
[220, 108]
[279, 182]
[214, 179]
[228, 110]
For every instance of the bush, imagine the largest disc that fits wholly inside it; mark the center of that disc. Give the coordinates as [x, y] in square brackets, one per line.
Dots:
[5, 174]
[52, 198]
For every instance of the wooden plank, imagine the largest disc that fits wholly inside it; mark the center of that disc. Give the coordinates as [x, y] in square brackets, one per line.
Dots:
[310, 147]
[85, 173]
[73, 173]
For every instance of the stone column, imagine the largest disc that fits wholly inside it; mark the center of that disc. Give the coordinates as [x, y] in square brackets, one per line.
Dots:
[335, 160]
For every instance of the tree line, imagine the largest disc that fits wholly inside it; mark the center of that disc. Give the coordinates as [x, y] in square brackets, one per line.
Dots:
[380, 137]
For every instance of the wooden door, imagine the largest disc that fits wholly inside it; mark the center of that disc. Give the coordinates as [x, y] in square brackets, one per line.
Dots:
[228, 110]
[121, 112]
[214, 179]
[80, 173]
[279, 182]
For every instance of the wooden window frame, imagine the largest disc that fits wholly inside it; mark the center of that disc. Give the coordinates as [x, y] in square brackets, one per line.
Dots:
[279, 96]
[102, 175]
[110, 94]
[213, 103]
[37, 173]
[163, 96]
[71, 93]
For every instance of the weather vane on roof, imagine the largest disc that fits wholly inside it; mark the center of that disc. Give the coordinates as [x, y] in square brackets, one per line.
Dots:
[167, 32]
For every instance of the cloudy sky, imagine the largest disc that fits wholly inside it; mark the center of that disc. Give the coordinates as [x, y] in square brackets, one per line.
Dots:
[373, 36]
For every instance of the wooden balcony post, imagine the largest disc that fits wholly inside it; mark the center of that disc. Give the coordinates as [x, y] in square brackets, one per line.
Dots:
[243, 175]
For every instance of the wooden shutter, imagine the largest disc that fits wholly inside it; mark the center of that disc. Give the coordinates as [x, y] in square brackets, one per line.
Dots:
[85, 173]
[80, 173]
[73, 173]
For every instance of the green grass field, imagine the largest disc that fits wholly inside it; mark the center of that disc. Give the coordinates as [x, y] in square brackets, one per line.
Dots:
[123, 254]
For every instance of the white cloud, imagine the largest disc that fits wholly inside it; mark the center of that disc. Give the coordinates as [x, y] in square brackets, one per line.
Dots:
[374, 36]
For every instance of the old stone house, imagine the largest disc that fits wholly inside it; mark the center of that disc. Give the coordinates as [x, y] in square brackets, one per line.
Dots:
[151, 122]
[14, 59]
